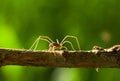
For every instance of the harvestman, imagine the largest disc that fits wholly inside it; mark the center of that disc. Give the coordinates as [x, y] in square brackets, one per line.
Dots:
[55, 45]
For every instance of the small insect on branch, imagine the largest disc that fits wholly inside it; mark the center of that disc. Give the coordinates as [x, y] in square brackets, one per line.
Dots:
[55, 45]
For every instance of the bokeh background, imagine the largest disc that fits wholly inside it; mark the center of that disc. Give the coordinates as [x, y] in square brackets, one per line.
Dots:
[94, 22]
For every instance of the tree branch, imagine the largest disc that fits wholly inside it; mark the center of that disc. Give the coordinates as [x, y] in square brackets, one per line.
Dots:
[97, 57]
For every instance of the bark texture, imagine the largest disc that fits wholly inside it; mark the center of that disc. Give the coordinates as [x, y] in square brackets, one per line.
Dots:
[95, 58]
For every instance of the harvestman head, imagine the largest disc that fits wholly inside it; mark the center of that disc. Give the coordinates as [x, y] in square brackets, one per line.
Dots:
[55, 45]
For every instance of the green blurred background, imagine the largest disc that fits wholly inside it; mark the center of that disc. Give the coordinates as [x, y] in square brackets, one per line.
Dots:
[94, 22]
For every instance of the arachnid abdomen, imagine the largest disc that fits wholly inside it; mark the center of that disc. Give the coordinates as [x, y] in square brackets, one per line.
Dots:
[55, 45]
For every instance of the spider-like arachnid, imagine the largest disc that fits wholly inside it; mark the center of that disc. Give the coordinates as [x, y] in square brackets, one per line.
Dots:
[55, 45]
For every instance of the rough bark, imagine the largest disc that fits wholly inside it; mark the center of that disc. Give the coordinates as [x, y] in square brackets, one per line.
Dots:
[97, 57]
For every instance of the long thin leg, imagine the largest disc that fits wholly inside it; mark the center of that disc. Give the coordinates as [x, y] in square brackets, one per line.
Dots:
[69, 43]
[68, 36]
[64, 47]
[45, 38]
[36, 44]
[33, 44]
[57, 41]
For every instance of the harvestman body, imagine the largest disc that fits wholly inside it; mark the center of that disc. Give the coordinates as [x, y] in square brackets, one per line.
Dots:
[55, 45]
